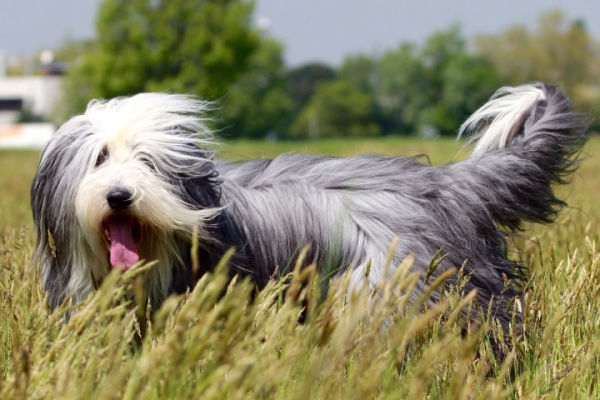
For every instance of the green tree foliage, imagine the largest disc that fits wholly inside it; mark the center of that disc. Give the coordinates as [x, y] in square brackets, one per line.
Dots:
[303, 81]
[559, 51]
[409, 89]
[360, 71]
[338, 109]
[465, 83]
[434, 87]
[404, 88]
[190, 46]
[209, 48]
[259, 103]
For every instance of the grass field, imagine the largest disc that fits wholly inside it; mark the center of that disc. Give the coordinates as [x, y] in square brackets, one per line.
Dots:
[205, 345]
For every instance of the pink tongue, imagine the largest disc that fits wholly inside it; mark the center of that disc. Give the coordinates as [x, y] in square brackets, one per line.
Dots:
[123, 253]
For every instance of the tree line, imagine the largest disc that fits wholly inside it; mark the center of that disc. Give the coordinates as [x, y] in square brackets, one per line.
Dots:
[211, 49]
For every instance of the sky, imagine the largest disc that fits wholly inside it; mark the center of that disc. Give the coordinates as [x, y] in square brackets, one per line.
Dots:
[312, 30]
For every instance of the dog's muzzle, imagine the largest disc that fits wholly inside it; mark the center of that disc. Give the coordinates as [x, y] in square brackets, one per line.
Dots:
[121, 230]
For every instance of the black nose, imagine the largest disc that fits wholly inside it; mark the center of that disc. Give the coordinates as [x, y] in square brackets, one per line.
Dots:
[119, 199]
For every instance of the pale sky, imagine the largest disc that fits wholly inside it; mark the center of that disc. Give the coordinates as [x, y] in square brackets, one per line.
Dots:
[312, 30]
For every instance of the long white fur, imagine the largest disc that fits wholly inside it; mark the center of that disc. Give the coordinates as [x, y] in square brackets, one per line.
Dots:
[502, 114]
[154, 126]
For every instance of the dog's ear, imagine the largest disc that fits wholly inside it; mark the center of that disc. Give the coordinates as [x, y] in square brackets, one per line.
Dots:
[50, 255]
[46, 257]
[56, 276]
[52, 191]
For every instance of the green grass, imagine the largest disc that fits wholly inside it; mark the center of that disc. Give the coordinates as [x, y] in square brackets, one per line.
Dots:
[206, 345]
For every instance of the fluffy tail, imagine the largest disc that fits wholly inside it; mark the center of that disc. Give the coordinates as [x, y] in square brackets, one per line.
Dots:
[525, 139]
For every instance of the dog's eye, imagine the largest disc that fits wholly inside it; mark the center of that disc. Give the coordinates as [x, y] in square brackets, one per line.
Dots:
[148, 162]
[102, 156]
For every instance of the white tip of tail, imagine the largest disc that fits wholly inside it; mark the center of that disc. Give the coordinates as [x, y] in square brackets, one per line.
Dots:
[498, 121]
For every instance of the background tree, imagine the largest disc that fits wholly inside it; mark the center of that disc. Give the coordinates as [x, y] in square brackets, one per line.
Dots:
[259, 104]
[303, 82]
[338, 109]
[360, 71]
[465, 83]
[403, 89]
[209, 48]
[559, 51]
[435, 87]
[190, 46]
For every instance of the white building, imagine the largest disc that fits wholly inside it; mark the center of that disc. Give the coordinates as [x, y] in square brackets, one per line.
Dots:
[37, 94]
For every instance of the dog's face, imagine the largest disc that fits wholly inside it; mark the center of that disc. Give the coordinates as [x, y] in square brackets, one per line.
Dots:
[130, 195]
[116, 184]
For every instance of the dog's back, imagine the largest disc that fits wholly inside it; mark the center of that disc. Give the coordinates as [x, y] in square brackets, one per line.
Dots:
[348, 210]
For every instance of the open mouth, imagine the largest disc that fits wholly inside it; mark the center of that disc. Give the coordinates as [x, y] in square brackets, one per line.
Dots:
[122, 235]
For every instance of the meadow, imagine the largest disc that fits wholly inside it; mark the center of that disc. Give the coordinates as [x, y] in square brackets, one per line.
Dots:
[211, 345]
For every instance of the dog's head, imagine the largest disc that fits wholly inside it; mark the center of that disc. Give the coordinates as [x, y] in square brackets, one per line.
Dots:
[116, 184]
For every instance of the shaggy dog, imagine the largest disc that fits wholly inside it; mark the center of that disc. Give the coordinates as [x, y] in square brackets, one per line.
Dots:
[133, 177]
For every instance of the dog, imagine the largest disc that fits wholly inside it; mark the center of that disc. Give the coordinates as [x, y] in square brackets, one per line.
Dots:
[134, 177]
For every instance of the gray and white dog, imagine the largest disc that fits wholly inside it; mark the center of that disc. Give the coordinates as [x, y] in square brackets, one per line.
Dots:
[133, 177]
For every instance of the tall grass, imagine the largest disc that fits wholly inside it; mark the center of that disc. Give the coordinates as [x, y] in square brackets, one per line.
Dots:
[224, 341]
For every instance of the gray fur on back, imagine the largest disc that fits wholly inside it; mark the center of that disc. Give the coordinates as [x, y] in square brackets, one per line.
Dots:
[350, 209]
